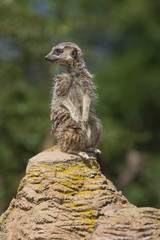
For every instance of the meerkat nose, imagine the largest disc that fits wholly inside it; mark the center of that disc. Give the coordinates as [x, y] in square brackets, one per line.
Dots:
[46, 57]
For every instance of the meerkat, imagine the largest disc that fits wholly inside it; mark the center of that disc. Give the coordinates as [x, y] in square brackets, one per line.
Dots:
[74, 122]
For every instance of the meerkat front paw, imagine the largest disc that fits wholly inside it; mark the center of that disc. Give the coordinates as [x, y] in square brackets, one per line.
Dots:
[77, 123]
[76, 119]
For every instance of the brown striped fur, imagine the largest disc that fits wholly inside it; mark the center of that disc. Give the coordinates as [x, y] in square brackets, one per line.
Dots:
[74, 122]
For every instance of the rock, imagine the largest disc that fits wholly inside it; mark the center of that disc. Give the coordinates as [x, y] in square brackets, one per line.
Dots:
[65, 197]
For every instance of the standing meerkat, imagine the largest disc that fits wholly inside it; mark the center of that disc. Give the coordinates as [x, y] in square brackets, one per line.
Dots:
[75, 124]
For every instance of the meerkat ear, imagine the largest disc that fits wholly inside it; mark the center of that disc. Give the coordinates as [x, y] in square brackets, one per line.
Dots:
[74, 53]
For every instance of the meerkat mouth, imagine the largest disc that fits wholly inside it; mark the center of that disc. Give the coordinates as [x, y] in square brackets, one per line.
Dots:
[53, 60]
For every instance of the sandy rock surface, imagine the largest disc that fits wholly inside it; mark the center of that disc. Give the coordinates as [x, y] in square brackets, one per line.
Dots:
[65, 197]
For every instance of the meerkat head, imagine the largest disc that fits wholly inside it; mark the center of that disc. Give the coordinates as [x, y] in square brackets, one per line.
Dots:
[64, 54]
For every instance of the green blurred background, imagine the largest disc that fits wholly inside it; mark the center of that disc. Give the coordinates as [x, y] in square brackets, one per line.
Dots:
[121, 46]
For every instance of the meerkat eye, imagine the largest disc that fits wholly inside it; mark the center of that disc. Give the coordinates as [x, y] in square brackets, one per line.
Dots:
[58, 51]
[74, 53]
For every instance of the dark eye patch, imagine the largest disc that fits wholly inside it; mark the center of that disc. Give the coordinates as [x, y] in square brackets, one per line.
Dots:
[58, 51]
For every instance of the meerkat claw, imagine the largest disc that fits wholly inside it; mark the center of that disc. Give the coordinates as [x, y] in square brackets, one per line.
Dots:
[51, 116]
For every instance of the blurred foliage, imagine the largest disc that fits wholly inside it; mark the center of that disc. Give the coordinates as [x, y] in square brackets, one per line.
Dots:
[121, 45]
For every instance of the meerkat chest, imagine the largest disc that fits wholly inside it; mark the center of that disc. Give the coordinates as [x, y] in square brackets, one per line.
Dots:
[76, 93]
